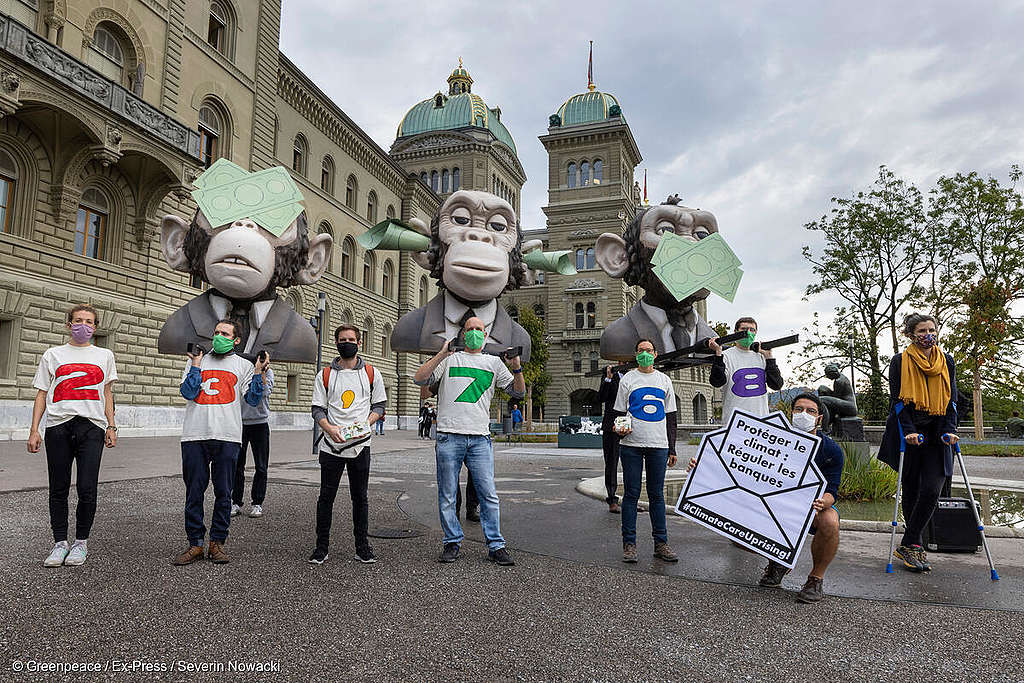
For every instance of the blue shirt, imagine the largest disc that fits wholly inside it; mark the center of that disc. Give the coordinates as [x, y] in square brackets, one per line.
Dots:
[517, 416]
[830, 461]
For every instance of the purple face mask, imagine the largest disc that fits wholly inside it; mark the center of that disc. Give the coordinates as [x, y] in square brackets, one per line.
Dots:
[925, 341]
[81, 333]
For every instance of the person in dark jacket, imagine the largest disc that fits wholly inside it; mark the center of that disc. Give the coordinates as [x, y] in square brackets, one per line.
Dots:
[609, 439]
[922, 389]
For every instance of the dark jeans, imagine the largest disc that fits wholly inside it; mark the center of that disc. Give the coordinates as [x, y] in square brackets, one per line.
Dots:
[79, 440]
[634, 459]
[331, 467]
[610, 444]
[257, 436]
[472, 500]
[923, 477]
[201, 461]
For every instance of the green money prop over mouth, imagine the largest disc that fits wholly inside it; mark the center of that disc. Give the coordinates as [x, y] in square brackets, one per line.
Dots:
[685, 267]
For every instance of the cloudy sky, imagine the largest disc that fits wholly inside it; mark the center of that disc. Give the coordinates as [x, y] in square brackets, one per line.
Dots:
[757, 112]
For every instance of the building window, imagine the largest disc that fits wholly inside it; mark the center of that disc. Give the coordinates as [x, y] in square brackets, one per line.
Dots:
[540, 277]
[591, 314]
[444, 180]
[584, 173]
[371, 207]
[293, 388]
[593, 361]
[347, 249]
[433, 181]
[327, 175]
[423, 291]
[589, 260]
[538, 310]
[572, 175]
[351, 192]
[580, 259]
[385, 342]
[577, 361]
[387, 278]
[91, 226]
[369, 266]
[299, 151]
[424, 179]
[196, 282]
[217, 32]
[107, 54]
[211, 127]
[598, 171]
[456, 179]
[8, 349]
[579, 316]
[368, 336]
[8, 181]
[390, 213]
[513, 313]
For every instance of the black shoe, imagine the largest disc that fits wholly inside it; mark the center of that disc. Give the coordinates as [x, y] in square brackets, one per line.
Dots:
[365, 555]
[502, 557]
[910, 555]
[773, 573]
[450, 553]
[319, 556]
[472, 515]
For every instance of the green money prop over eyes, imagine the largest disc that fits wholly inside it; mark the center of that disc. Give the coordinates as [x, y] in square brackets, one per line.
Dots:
[685, 267]
[550, 261]
[226, 192]
[393, 234]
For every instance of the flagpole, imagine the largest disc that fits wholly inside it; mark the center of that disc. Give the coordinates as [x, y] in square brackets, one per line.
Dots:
[590, 69]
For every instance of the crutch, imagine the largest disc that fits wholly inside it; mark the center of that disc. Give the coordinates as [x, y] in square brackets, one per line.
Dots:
[899, 487]
[974, 508]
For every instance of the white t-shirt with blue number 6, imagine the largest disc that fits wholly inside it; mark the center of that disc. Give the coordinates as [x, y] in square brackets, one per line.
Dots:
[646, 397]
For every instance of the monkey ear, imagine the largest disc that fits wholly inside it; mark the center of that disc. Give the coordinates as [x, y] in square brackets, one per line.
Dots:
[317, 259]
[420, 257]
[172, 242]
[611, 254]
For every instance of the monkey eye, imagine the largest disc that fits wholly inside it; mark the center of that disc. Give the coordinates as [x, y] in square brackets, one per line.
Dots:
[498, 224]
[665, 226]
[461, 216]
[700, 233]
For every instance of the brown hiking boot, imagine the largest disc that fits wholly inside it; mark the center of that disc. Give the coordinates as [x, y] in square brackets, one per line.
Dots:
[812, 591]
[614, 508]
[215, 553]
[629, 553]
[663, 552]
[194, 553]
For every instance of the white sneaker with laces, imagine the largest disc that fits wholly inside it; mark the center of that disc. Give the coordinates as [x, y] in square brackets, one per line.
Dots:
[76, 557]
[257, 511]
[57, 555]
[236, 510]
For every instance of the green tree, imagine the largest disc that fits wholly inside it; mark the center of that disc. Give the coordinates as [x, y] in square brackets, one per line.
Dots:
[535, 372]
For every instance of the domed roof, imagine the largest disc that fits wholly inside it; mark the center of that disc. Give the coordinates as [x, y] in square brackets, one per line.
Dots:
[589, 107]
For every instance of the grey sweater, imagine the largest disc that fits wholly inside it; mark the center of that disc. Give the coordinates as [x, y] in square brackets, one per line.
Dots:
[259, 413]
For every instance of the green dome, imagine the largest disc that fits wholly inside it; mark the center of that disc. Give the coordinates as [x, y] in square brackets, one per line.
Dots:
[588, 107]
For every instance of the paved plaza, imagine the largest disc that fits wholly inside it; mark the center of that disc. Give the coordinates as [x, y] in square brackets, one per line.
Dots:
[569, 609]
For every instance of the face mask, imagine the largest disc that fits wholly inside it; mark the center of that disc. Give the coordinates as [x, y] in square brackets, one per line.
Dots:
[222, 344]
[348, 349]
[81, 333]
[474, 339]
[805, 421]
[645, 359]
[925, 341]
[748, 340]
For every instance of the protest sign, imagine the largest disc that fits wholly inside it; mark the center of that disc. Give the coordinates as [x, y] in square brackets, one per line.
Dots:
[754, 483]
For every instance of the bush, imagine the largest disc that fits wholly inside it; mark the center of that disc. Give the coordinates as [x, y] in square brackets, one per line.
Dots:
[864, 477]
[997, 450]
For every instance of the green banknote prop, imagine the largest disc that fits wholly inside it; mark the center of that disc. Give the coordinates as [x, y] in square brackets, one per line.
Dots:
[391, 233]
[685, 267]
[550, 261]
[227, 192]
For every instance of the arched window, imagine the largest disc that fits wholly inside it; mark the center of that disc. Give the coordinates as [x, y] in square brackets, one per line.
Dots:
[348, 248]
[107, 52]
[368, 336]
[700, 409]
[220, 32]
[572, 174]
[538, 310]
[390, 212]
[433, 181]
[385, 341]
[387, 279]
[424, 291]
[590, 263]
[580, 260]
[211, 131]
[513, 313]
[424, 178]
[439, 100]
[327, 175]
[371, 207]
[351, 192]
[577, 361]
[598, 171]
[591, 314]
[444, 180]
[369, 270]
[346, 317]
[325, 229]
[456, 179]
[91, 227]
[593, 361]
[584, 173]
[579, 316]
[8, 182]
[300, 149]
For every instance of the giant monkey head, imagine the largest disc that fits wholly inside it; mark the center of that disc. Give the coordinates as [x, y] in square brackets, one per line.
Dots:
[475, 246]
[629, 256]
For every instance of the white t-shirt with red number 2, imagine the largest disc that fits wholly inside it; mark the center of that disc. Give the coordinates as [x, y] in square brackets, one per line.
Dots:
[74, 378]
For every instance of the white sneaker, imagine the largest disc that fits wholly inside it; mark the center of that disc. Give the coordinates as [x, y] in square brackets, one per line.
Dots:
[57, 555]
[77, 555]
[257, 511]
[236, 510]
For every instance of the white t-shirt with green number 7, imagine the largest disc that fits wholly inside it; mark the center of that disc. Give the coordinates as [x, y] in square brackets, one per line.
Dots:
[467, 383]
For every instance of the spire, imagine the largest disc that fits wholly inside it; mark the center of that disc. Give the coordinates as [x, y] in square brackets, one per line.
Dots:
[590, 69]
[645, 187]
[459, 81]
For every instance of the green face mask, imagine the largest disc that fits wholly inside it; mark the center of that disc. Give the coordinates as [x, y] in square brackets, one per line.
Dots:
[645, 359]
[745, 343]
[222, 344]
[474, 339]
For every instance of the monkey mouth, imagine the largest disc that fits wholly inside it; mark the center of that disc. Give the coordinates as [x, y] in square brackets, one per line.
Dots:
[236, 262]
[491, 268]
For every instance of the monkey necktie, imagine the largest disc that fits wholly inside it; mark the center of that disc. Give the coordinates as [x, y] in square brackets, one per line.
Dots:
[679, 336]
[240, 314]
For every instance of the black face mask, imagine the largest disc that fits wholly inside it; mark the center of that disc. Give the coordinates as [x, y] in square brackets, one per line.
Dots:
[348, 349]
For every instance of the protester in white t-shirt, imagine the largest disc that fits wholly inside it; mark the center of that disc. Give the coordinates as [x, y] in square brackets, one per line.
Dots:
[214, 385]
[348, 399]
[744, 375]
[646, 401]
[466, 382]
[75, 388]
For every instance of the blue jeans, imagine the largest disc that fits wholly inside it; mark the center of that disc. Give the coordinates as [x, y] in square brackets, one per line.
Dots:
[200, 460]
[633, 459]
[452, 450]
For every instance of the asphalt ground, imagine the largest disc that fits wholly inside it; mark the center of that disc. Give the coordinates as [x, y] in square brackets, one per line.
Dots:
[568, 610]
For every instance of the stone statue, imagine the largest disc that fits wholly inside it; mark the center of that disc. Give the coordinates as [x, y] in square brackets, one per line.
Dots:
[840, 403]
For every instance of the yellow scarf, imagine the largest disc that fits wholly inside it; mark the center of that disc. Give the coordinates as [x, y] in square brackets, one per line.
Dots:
[919, 365]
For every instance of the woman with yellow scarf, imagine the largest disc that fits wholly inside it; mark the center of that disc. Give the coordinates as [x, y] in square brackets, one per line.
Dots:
[922, 391]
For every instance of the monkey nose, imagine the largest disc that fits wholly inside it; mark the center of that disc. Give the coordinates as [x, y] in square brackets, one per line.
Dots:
[244, 223]
[479, 236]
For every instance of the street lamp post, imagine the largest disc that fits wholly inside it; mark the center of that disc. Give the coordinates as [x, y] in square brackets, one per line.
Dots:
[317, 321]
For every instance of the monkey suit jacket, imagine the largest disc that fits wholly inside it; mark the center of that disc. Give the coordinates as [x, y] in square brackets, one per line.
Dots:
[620, 338]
